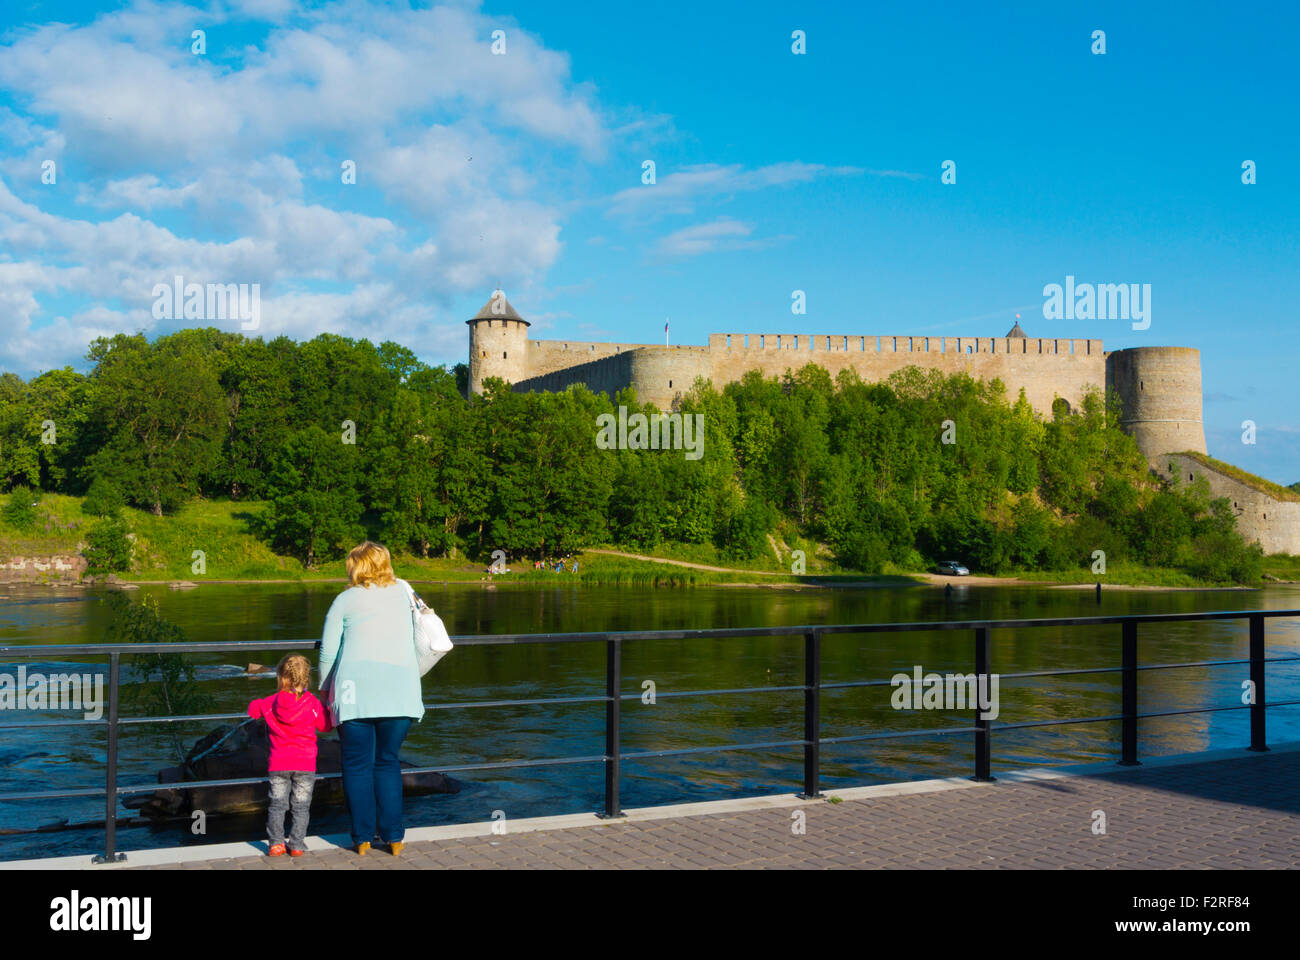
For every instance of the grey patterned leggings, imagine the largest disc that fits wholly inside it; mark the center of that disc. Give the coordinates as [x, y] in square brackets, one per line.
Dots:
[290, 790]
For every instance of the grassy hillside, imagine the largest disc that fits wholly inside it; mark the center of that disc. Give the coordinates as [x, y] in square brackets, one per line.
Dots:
[164, 547]
[164, 550]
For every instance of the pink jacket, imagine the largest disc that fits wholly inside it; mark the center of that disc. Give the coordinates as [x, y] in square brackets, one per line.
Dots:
[292, 721]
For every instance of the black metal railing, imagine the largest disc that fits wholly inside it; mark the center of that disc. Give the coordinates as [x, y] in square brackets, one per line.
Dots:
[612, 698]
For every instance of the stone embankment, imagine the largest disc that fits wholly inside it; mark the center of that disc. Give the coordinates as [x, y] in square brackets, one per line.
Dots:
[65, 567]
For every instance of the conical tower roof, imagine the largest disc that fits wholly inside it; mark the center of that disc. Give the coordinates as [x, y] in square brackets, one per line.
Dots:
[1016, 331]
[498, 308]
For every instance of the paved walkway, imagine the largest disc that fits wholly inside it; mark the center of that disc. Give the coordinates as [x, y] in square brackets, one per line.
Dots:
[1228, 809]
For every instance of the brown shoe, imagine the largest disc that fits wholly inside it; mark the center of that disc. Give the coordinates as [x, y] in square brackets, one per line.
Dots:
[396, 848]
[362, 849]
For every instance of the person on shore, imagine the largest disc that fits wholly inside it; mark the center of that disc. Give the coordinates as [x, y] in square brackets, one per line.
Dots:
[293, 717]
[368, 662]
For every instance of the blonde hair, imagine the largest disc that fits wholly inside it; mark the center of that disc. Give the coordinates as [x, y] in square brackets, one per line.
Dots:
[294, 673]
[370, 565]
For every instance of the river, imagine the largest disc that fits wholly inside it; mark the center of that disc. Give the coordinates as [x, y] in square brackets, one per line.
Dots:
[68, 758]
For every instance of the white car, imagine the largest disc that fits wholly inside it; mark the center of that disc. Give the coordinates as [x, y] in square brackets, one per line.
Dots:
[952, 568]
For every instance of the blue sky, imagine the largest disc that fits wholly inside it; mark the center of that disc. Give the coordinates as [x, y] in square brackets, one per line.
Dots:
[775, 172]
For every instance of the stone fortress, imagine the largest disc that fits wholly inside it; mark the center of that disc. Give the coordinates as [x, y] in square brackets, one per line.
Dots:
[1160, 387]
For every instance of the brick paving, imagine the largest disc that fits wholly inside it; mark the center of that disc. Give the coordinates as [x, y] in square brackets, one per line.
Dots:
[1232, 813]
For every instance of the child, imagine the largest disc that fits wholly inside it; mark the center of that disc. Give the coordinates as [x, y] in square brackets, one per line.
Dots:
[292, 717]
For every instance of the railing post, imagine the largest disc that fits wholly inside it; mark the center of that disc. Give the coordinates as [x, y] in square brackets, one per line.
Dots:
[613, 712]
[812, 715]
[110, 775]
[1259, 705]
[983, 727]
[1129, 694]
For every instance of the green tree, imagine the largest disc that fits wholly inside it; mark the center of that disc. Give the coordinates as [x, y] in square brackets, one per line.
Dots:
[315, 509]
[258, 407]
[410, 442]
[20, 461]
[158, 414]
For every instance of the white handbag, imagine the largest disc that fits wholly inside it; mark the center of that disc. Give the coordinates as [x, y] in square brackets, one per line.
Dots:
[431, 640]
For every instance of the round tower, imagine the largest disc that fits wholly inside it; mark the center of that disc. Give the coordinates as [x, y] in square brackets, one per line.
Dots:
[1160, 388]
[498, 344]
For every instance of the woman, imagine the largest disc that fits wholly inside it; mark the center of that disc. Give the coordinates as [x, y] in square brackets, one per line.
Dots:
[368, 667]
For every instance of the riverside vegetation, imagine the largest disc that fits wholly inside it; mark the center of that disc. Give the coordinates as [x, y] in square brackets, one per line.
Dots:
[275, 457]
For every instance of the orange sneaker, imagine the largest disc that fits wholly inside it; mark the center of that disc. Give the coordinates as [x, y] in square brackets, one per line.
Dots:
[277, 850]
[296, 853]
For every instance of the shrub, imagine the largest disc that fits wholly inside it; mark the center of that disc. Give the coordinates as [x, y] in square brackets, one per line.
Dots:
[19, 510]
[1225, 558]
[107, 548]
[103, 499]
[1165, 527]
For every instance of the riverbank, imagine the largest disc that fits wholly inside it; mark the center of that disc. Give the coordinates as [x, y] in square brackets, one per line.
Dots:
[598, 571]
[212, 542]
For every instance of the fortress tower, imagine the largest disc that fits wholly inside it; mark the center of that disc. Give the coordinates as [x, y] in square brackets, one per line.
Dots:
[498, 343]
[1160, 388]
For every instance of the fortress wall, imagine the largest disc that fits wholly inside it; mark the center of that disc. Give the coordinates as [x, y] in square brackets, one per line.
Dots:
[1045, 369]
[608, 374]
[1273, 524]
[548, 356]
[660, 374]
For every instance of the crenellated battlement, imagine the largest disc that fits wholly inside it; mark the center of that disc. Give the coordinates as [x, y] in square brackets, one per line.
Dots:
[884, 343]
[1159, 386]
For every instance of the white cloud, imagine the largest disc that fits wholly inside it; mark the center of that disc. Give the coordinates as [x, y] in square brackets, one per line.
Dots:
[721, 234]
[225, 168]
[680, 191]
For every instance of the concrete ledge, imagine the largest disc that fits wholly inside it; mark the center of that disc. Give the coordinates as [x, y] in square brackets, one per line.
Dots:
[222, 851]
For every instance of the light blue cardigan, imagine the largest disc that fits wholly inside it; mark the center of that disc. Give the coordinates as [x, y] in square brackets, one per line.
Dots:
[367, 655]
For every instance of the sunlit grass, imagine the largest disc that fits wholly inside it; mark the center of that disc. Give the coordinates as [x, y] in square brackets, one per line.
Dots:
[164, 550]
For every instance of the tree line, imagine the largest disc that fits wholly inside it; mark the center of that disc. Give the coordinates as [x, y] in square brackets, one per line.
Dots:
[342, 439]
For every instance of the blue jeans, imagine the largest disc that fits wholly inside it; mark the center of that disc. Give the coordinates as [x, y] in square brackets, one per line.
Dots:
[372, 776]
[290, 790]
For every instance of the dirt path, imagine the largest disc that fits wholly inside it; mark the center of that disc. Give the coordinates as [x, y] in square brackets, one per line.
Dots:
[938, 579]
[682, 563]
[934, 579]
